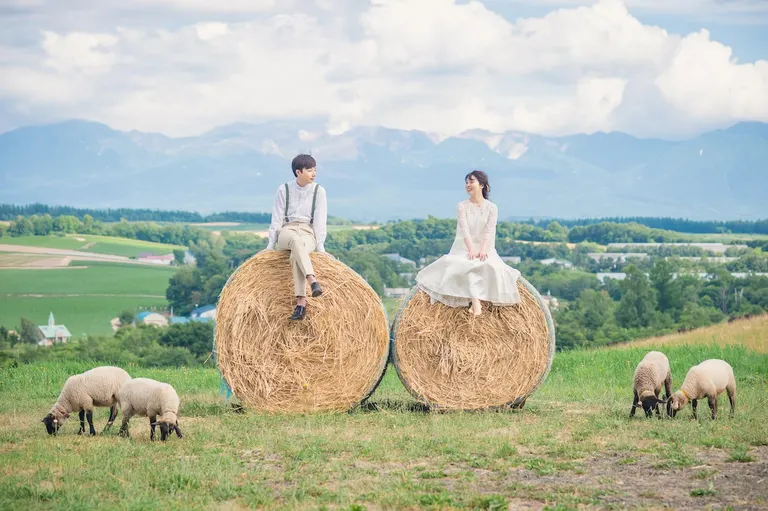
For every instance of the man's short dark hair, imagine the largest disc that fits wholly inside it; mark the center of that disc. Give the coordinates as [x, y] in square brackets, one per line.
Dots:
[301, 162]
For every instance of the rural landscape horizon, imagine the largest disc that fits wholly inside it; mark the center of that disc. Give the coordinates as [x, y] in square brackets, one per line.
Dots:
[141, 148]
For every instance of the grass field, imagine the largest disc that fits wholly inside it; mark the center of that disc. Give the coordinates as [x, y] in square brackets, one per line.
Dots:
[752, 334]
[96, 244]
[80, 314]
[83, 299]
[92, 279]
[572, 445]
[725, 238]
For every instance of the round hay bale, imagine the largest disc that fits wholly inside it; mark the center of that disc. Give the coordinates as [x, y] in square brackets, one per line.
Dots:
[448, 359]
[330, 361]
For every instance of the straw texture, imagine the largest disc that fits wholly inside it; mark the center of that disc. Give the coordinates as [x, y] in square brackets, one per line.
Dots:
[330, 361]
[449, 359]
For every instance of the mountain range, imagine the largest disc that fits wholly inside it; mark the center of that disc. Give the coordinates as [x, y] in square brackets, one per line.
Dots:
[377, 173]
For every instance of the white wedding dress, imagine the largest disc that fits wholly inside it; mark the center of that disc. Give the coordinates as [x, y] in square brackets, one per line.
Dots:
[454, 280]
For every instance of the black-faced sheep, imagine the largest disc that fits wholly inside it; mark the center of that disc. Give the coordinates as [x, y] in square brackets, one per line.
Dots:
[708, 379]
[150, 398]
[651, 374]
[82, 392]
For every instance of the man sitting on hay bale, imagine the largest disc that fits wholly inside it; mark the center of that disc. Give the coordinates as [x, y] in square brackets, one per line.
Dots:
[299, 217]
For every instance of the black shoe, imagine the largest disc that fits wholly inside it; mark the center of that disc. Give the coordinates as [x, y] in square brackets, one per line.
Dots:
[316, 290]
[299, 312]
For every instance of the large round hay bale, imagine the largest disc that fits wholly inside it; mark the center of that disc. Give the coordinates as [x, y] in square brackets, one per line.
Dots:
[448, 359]
[329, 361]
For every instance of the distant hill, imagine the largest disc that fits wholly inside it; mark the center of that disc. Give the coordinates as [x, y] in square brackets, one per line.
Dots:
[375, 173]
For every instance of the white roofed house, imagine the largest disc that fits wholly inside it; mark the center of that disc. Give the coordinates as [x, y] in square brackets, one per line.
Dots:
[53, 333]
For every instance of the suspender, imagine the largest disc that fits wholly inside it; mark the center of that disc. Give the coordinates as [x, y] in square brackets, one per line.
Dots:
[314, 202]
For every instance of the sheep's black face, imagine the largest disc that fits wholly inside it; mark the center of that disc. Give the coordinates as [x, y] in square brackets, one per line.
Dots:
[51, 424]
[165, 429]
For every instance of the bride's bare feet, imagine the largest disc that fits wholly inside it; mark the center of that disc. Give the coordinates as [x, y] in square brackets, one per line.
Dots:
[477, 308]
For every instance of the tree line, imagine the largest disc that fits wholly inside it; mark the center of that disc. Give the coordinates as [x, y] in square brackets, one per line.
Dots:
[671, 224]
[45, 224]
[661, 302]
[187, 344]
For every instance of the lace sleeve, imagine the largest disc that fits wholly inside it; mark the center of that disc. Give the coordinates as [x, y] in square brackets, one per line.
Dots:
[461, 222]
[490, 227]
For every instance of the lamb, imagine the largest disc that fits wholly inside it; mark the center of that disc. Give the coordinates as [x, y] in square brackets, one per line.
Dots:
[81, 392]
[149, 398]
[651, 373]
[707, 379]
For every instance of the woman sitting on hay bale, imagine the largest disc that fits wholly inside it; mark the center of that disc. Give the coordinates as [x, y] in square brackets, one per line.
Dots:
[299, 217]
[472, 271]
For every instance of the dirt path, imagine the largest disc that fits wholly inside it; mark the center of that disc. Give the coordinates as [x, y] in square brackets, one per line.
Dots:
[73, 254]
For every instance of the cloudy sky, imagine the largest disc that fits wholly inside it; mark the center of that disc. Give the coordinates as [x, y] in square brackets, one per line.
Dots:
[662, 68]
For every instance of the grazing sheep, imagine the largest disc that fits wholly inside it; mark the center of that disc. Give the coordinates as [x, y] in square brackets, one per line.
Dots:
[651, 373]
[150, 398]
[81, 392]
[707, 379]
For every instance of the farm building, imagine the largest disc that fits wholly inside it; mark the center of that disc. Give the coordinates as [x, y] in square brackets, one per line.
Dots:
[621, 257]
[151, 318]
[549, 300]
[204, 312]
[146, 257]
[396, 292]
[564, 263]
[53, 333]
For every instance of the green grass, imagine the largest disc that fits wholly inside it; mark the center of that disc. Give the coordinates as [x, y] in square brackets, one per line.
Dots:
[391, 304]
[95, 244]
[92, 279]
[101, 291]
[572, 445]
[80, 314]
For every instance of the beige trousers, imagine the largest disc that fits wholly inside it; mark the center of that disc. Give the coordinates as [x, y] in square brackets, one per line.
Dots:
[299, 239]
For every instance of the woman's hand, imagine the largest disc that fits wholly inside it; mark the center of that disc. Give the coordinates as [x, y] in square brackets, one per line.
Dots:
[482, 255]
[471, 255]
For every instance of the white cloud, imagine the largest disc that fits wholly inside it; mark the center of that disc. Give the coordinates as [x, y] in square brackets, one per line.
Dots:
[216, 6]
[434, 65]
[704, 81]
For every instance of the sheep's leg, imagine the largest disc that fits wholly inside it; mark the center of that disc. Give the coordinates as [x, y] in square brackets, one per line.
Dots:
[732, 399]
[712, 400]
[112, 417]
[635, 400]
[152, 422]
[82, 422]
[694, 403]
[178, 430]
[668, 386]
[127, 414]
[89, 416]
[731, 389]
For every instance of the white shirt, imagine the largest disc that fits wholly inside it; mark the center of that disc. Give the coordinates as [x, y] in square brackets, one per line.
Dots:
[300, 210]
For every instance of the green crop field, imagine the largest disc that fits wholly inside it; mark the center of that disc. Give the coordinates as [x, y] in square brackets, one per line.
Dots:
[89, 279]
[572, 446]
[80, 314]
[96, 244]
[83, 298]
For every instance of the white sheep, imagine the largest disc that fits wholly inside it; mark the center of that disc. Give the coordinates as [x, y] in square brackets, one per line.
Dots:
[81, 392]
[150, 398]
[651, 373]
[708, 379]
